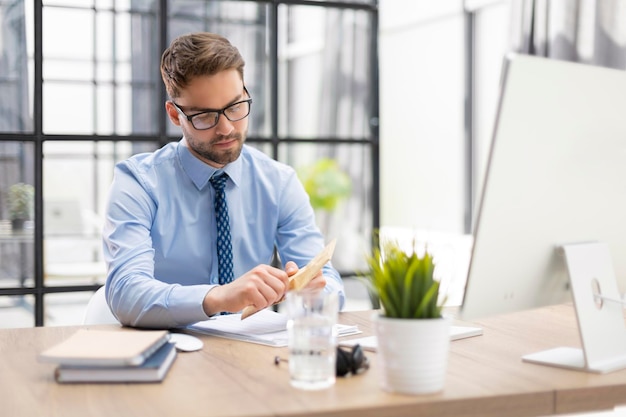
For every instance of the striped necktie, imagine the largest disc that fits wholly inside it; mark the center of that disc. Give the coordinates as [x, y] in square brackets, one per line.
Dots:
[224, 246]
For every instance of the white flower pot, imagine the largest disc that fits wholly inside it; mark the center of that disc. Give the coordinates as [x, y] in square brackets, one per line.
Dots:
[412, 354]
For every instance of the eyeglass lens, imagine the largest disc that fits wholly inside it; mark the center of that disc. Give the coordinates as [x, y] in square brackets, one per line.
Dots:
[234, 112]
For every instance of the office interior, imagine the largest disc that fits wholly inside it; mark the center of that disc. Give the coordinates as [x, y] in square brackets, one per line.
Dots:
[396, 97]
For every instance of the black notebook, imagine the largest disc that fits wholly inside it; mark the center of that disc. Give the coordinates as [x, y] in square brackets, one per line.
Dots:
[153, 369]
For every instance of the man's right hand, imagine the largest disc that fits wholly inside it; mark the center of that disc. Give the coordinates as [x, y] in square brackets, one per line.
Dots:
[260, 287]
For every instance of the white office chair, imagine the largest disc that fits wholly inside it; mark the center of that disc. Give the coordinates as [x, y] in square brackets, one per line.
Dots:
[98, 311]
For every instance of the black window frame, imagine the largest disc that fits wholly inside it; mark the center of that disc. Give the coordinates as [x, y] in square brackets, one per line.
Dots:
[274, 139]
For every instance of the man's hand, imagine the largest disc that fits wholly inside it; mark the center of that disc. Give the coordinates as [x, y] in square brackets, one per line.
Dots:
[260, 287]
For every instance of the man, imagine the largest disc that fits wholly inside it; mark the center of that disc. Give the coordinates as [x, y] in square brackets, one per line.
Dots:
[161, 235]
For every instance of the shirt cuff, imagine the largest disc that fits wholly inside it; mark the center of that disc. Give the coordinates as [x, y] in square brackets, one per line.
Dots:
[185, 303]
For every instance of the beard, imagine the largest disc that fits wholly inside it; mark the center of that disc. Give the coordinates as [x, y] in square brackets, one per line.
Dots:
[213, 155]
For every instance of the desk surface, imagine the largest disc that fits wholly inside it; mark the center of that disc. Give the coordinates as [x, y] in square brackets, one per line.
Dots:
[486, 377]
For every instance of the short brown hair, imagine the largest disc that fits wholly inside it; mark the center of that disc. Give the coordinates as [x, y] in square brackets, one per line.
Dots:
[196, 54]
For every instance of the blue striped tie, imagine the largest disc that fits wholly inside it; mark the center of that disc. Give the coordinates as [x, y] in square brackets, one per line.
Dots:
[224, 247]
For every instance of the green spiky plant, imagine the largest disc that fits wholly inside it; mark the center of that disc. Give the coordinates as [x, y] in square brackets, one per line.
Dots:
[403, 282]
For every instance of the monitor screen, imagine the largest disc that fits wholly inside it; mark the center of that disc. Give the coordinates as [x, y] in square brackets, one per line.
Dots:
[556, 175]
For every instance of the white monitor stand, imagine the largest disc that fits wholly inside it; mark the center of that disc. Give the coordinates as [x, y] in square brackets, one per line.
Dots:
[599, 311]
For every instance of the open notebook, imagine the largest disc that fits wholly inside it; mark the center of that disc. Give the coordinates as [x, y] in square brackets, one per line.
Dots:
[266, 327]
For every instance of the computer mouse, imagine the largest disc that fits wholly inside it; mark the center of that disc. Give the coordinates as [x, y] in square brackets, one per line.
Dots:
[186, 342]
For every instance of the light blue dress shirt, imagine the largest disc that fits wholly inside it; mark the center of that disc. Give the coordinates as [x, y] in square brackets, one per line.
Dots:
[160, 233]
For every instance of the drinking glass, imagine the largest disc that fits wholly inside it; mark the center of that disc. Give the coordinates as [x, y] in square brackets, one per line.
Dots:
[312, 338]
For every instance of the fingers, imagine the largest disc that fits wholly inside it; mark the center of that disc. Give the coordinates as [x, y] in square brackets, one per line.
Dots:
[266, 289]
[260, 287]
[291, 268]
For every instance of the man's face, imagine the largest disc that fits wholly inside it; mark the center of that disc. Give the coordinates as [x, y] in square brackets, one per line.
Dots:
[222, 143]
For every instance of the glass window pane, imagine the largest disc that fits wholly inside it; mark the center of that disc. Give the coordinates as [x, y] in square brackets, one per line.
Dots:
[110, 51]
[125, 43]
[123, 71]
[16, 255]
[142, 6]
[78, 176]
[105, 123]
[15, 106]
[131, 117]
[72, 225]
[68, 108]
[107, 4]
[138, 58]
[104, 73]
[324, 55]
[73, 41]
[345, 214]
[104, 27]
[57, 69]
[68, 3]
[17, 311]
[66, 309]
[16, 214]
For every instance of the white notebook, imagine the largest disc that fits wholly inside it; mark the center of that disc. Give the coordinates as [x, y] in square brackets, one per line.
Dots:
[115, 347]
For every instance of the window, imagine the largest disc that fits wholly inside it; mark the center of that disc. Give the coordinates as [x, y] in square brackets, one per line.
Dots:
[78, 97]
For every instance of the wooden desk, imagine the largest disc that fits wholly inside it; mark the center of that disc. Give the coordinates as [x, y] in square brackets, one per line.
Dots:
[486, 377]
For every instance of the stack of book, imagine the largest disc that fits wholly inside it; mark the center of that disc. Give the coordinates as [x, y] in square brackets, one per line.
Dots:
[120, 355]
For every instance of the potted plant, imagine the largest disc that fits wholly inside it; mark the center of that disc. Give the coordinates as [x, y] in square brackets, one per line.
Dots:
[413, 337]
[20, 200]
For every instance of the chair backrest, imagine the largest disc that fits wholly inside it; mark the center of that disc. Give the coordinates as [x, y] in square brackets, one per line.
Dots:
[98, 311]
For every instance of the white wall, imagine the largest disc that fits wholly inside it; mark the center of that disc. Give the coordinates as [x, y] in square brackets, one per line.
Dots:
[422, 94]
[421, 108]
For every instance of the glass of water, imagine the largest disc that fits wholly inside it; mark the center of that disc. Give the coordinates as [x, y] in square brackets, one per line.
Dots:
[312, 338]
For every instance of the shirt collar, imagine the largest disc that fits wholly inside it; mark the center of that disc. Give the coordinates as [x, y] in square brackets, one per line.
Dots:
[200, 172]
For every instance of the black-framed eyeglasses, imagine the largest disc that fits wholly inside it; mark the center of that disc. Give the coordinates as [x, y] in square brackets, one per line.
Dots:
[207, 119]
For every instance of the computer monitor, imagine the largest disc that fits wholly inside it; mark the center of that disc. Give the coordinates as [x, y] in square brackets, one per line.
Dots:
[556, 176]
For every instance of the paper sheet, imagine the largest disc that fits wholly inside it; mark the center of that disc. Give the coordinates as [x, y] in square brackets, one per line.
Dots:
[266, 327]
